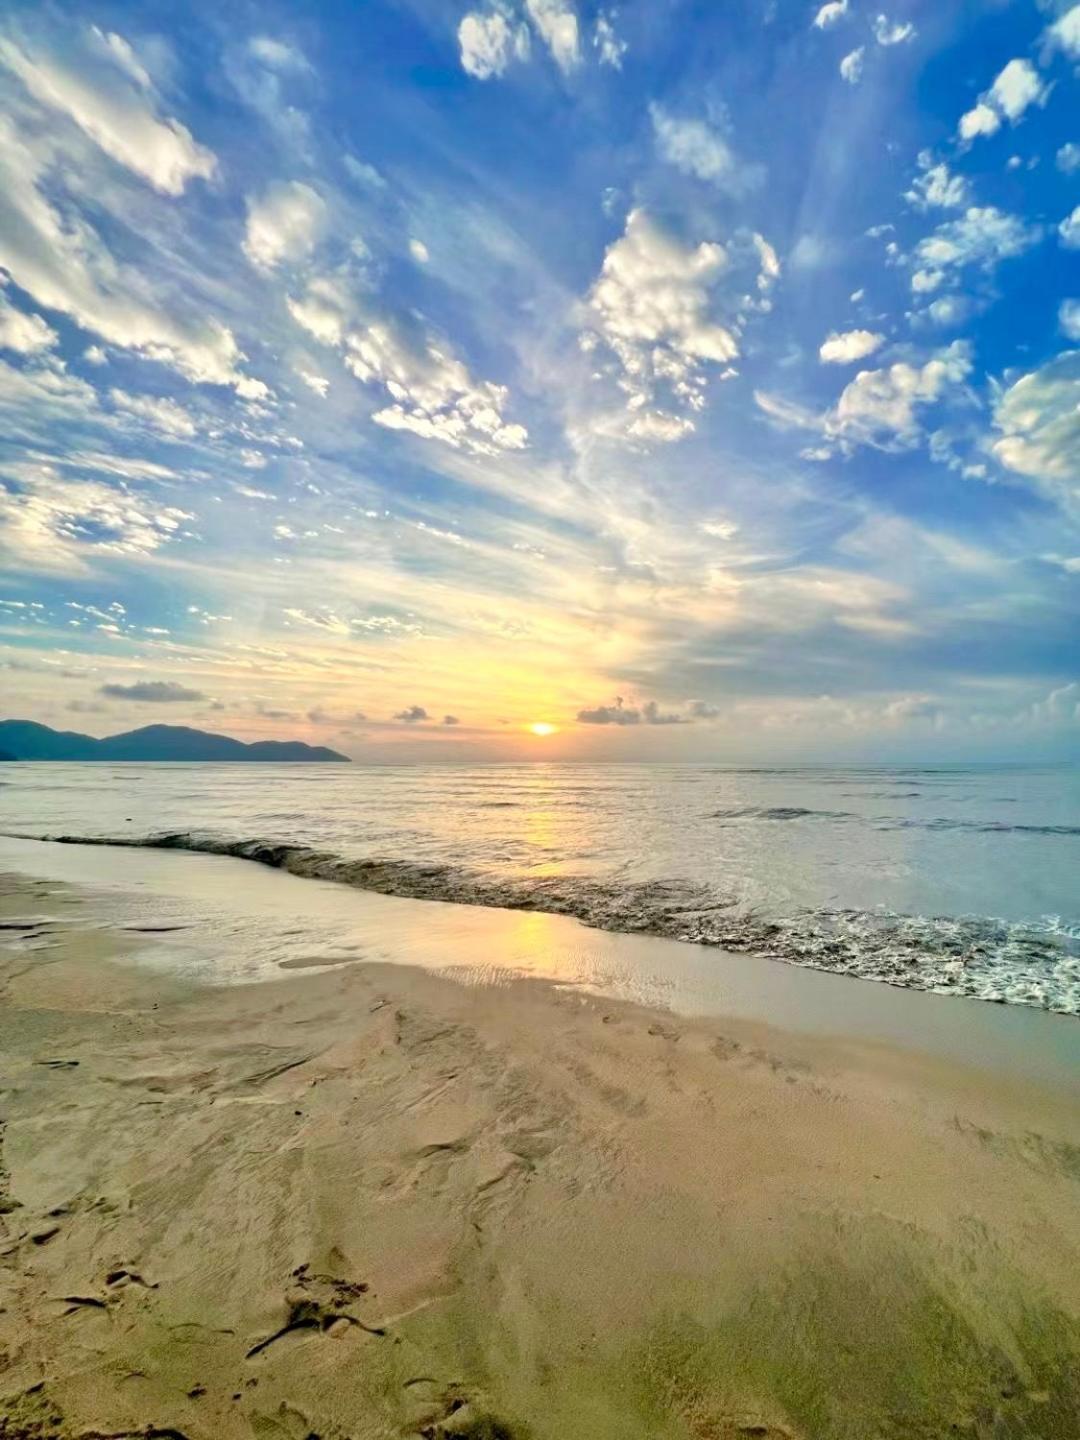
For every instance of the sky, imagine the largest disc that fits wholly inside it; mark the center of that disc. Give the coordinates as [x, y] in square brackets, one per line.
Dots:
[699, 380]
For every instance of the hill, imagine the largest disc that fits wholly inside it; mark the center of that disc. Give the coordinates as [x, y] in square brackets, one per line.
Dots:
[26, 740]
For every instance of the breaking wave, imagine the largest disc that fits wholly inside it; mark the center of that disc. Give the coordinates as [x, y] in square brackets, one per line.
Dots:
[1035, 963]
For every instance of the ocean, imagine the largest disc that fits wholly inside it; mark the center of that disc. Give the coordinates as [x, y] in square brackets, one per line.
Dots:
[963, 880]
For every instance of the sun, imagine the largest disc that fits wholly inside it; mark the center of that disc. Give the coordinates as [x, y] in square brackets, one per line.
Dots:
[541, 727]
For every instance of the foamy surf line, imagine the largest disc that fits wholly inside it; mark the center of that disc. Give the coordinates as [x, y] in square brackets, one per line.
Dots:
[985, 958]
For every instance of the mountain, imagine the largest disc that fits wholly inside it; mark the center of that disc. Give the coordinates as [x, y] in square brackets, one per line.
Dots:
[25, 740]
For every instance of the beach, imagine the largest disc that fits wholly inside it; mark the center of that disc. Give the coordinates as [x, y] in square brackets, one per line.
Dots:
[372, 1200]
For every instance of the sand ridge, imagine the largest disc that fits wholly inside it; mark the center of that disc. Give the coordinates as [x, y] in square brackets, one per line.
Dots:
[374, 1202]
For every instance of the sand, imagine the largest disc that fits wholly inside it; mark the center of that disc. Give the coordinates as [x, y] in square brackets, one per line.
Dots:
[371, 1201]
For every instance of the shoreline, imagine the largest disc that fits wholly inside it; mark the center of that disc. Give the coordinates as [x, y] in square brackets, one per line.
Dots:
[210, 897]
[369, 1201]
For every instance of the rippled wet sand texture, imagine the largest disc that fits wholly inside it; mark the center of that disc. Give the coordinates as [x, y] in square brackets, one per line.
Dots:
[372, 1202]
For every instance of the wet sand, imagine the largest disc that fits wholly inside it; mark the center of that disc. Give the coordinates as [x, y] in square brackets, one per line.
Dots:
[370, 1201]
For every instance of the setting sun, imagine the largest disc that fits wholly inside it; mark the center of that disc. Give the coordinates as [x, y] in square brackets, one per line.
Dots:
[541, 727]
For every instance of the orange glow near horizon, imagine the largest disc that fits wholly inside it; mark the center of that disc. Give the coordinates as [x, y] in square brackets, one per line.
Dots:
[542, 728]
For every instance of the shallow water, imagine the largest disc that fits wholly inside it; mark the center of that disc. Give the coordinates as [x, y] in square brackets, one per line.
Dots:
[958, 879]
[219, 921]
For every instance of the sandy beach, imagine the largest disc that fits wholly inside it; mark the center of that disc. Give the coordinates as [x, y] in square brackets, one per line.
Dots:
[372, 1201]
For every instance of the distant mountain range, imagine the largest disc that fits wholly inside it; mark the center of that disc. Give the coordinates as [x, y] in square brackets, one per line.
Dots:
[25, 740]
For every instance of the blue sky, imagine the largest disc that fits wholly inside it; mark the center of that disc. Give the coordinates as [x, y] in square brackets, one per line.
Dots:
[701, 379]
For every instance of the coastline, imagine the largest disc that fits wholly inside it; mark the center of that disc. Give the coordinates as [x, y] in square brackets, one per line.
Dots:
[368, 1201]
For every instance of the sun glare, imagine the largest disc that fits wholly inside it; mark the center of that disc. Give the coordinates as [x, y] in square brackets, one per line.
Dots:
[541, 727]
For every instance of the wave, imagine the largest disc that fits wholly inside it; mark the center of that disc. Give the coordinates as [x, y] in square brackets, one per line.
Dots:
[889, 822]
[780, 812]
[981, 957]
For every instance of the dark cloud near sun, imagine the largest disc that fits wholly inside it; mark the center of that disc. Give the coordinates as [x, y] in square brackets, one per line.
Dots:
[622, 714]
[152, 692]
[412, 715]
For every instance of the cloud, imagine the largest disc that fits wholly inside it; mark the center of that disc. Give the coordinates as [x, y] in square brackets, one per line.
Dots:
[843, 349]
[283, 224]
[880, 408]
[67, 267]
[22, 333]
[412, 715]
[152, 692]
[617, 714]
[887, 33]
[936, 187]
[1017, 87]
[557, 25]
[1069, 230]
[419, 251]
[489, 43]
[831, 13]
[697, 149]
[163, 415]
[655, 307]
[982, 236]
[433, 394]
[96, 91]
[51, 522]
[851, 66]
[450, 720]
[609, 46]
[1039, 419]
[277, 54]
[1064, 34]
[622, 714]
[1069, 319]
[1067, 159]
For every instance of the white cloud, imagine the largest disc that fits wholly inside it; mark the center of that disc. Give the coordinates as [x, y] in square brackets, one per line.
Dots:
[697, 149]
[1039, 417]
[654, 306]
[432, 392]
[24, 334]
[852, 345]
[830, 13]
[66, 267]
[880, 407]
[924, 282]
[284, 223]
[50, 522]
[980, 120]
[277, 54]
[609, 46]
[1069, 230]
[1069, 319]
[887, 33]
[1065, 33]
[936, 187]
[557, 25]
[116, 114]
[948, 310]
[490, 42]
[1015, 89]
[314, 381]
[95, 355]
[1068, 159]
[851, 66]
[419, 251]
[982, 236]
[162, 414]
